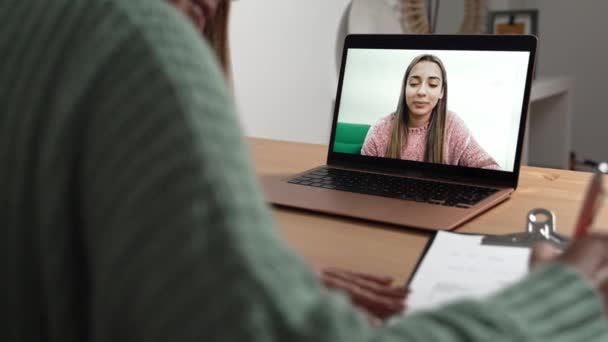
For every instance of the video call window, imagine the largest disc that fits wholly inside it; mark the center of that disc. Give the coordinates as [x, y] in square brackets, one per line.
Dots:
[439, 106]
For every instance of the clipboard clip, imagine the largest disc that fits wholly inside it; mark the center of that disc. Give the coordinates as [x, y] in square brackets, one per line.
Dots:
[540, 227]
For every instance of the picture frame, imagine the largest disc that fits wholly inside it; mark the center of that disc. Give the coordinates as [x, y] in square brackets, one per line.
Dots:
[523, 21]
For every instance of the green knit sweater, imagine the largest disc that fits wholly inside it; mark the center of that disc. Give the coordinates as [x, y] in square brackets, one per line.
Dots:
[129, 210]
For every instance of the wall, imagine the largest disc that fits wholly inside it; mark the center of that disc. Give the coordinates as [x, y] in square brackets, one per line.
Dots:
[573, 42]
[284, 64]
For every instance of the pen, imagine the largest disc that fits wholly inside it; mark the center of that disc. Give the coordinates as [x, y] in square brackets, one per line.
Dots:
[591, 203]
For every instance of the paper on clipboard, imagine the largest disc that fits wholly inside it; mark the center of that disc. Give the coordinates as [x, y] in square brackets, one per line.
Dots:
[458, 266]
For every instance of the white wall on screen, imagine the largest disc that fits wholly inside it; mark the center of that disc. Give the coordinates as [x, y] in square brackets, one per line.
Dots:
[485, 89]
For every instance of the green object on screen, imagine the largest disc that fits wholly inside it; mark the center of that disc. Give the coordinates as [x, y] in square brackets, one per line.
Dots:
[350, 137]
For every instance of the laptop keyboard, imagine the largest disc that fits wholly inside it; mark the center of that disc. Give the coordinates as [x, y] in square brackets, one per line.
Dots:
[419, 190]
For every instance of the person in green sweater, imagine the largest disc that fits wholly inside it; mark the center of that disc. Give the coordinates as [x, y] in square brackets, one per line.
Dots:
[130, 211]
[375, 295]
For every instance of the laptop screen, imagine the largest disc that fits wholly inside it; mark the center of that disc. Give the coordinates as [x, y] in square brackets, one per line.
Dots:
[451, 107]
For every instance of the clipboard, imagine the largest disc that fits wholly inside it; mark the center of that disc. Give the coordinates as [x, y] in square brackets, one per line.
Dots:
[455, 266]
[540, 226]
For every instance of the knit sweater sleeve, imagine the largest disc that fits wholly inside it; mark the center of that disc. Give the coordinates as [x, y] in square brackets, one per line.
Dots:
[180, 244]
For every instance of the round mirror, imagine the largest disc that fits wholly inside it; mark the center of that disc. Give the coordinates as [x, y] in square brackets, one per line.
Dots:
[410, 16]
[456, 16]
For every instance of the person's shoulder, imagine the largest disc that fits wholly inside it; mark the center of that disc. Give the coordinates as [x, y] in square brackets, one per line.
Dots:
[175, 43]
[453, 118]
[145, 13]
[106, 14]
[99, 30]
[159, 40]
[456, 130]
[154, 24]
[385, 121]
[455, 122]
[157, 21]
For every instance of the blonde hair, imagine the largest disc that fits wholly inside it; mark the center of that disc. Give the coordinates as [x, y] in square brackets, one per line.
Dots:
[435, 136]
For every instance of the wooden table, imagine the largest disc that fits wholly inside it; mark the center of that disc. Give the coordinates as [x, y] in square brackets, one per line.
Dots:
[325, 240]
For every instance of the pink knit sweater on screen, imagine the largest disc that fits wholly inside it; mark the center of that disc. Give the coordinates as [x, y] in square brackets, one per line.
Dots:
[460, 148]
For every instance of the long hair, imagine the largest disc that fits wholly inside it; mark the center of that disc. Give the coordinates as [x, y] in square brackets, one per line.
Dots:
[435, 136]
[216, 33]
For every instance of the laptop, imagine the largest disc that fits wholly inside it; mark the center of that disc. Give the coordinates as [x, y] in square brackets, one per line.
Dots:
[427, 130]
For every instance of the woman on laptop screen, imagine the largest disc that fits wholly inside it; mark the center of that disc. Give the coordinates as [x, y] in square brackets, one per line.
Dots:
[422, 129]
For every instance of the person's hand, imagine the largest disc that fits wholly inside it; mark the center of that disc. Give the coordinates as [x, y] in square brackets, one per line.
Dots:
[542, 253]
[588, 256]
[373, 294]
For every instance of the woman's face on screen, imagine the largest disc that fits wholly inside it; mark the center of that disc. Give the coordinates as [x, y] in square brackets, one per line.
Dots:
[424, 87]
